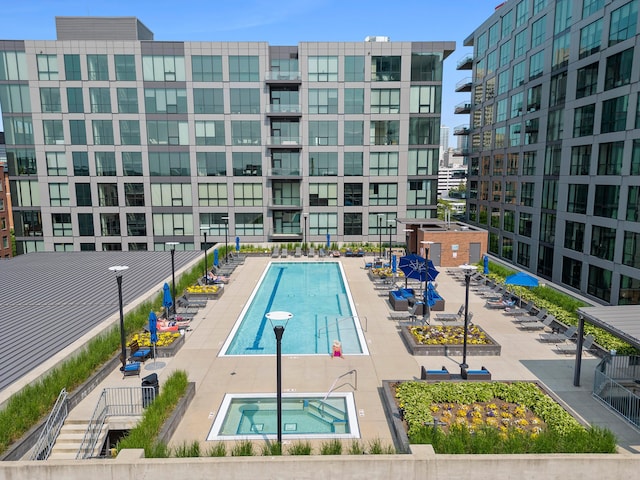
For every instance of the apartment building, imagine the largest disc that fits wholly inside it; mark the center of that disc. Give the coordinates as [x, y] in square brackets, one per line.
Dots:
[554, 142]
[116, 141]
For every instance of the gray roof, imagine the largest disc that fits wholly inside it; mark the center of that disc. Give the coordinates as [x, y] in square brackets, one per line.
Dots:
[622, 321]
[49, 300]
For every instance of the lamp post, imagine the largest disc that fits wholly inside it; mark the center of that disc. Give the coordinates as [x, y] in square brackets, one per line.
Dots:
[468, 269]
[205, 256]
[117, 269]
[172, 245]
[380, 215]
[408, 232]
[391, 222]
[304, 234]
[226, 231]
[279, 322]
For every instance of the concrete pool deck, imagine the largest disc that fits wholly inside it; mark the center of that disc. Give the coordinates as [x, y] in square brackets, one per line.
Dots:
[523, 357]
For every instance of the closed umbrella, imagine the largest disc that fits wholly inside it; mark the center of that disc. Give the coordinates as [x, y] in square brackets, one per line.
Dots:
[237, 244]
[216, 260]
[486, 264]
[153, 331]
[167, 300]
[394, 266]
[328, 241]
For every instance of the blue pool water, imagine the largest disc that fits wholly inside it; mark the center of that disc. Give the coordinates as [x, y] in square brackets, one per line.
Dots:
[317, 295]
[303, 416]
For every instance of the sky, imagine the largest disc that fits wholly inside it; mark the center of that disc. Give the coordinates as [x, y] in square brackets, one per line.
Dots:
[278, 22]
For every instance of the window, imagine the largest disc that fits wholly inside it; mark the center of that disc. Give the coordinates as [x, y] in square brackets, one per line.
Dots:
[614, 114]
[618, 70]
[555, 125]
[549, 194]
[353, 164]
[169, 224]
[53, 132]
[250, 224]
[606, 201]
[527, 190]
[129, 132]
[78, 132]
[165, 100]
[323, 133]
[246, 164]
[505, 53]
[423, 99]
[583, 120]
[386, 69]
[516, 104]
[574, 236]
[423, 131]
[352, 223]
[171, 195]
[323, 164]
[587, 81]
[422, 192]
[247, 100]
[353, 132]
[15, 99]
[110, 224]
[353, 68]
[163, 68]
[623, 23]
[47, 67]
[353, 194]
[206, 68]
[49, 99]
[244, 68]
[97, 67]
[590, 37]
[75, 103]
[353, 100]
[631, 251]
[507, 24]
[61, 224]
[22, 162]
[102, 132]
[211, 164]
[245, 132]
[589, 7]
[108, 194]
[210, 132]
[212, 194]
[383, 163]
[323, 100]
[323, 194]
[515, 131]
[386, 100]
[125, 67]
[534, 96]
[629, 293]
[208, 100]
[522, 12]
[85, 225]
[72, 67]
[100, 100]
[247, 194]
[603, 242]
[18, 130]
[285, 162]
[83, 195]
[520, 44]
[562, 16]
[560, 55]
[168, 132]
[577, 198]
[503, 82]
[536, 65]
[599, 283]
[558, 90]
[610, 158]
[132, 164]
[633, 204]
[323, 69]
[136, 225]
[531, 128]
[635, 158]
[494, 34]
[80, 164]
[538, 30]
[169, 164]
[56, 164]
[580, 160]
[508, 221]
[58, 195]
[518, 74]
[525, 224]
[383, 194]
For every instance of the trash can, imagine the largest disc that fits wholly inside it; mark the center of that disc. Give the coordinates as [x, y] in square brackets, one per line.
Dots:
[149, 395]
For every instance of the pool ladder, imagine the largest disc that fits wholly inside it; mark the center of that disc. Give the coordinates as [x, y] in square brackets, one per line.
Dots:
[355, 318]
[334, 386]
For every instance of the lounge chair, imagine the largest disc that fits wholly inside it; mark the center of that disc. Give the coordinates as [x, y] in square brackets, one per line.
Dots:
[276, 252]
[451, 317]
[298, 253]
[535, 326]
[500, 304]
[137, 354]
[531, 318]
[284, 253]
[569, 348]
[559, 337]
[187, 303]
[322, 253]
[311, 252]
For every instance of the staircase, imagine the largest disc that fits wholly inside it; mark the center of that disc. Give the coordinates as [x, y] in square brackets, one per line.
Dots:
[70, 439]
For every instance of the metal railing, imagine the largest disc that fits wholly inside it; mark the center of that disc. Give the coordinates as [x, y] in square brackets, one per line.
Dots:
[51, 429]
[353, 318]
[616, 385]
[333, 387]
[122, 402]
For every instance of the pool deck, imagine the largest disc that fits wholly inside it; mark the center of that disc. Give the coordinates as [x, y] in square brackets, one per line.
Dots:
[523, 357]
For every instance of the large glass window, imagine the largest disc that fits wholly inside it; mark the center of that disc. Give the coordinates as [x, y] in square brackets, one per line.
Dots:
[56, 164]
[353, 194]
[212, 195]
[211, 164]
[538, 30]
[383, 164]
[353, 164]
[173, 224]
[323, 100]
[97, 67]
[323, 194]
[520, 44]
[163, 68]
[383, 194]
[384, 132]
[386, 100]
[210, 132]
[323, 133]
[505, 54]
[583, 120]
[599, 283]
[129, 132]
[631, 252]
[136, 225]
[75, 102]
[574, 236]
[525, 224]
[562, 18]
[127, 100]
[247, 194]
[386, 69]
[610, 158]
[125, 67]
[614, 114]
[285, 162]
[132, 164]
[555, 125]
[603, 242]
[80, 164]
[633, 204]
[58, 195]
[606, 201]
[49, 99]
[423, 99]
[206, 68]
[587, 81]
[246, 164]
[353, 68]
[72, 70]
[590, 38]
[244, 68]
[100, 100]
[85, 225]
[246, 100]
[560, 55]
[424, 131]
[577, 198]
[522, 12]
[580, 160]
[249, 224]
[623, 23]
[53, 132]
[426, 67]
[108, 194]
[536, 64]
[18, 130]
[618, 70]
[61, 224]
[165, 100]
[421, 192]
[47, 67]
[589, 7]
[353, 100]
[323, 164]
[102, 132]
[169, 164]
[170, 194]
[353, 132]
[518, 74]
[105, 164]
[323, 69]
[558, 91]
[134, 194]
[246, 132]
[168, 132]
[208, 100]
[352, 223]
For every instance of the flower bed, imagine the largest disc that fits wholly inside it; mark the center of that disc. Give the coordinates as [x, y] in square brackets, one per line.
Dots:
[443, 340]
[205, 292]
[168, 343]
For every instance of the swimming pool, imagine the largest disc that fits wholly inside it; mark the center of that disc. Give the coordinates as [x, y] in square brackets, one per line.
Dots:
[253, 417]
[317, 295]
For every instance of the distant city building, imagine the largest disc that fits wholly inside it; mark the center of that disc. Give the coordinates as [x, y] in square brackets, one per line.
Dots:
[450, 177]
[554, 160]
[119, 142]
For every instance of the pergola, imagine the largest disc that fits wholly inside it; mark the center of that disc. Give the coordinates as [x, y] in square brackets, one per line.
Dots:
[621, 321]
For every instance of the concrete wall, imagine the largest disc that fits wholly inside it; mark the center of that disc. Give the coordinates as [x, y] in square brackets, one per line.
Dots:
[421, 464]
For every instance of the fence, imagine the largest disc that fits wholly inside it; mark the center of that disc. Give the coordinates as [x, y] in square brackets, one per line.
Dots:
[617, 385]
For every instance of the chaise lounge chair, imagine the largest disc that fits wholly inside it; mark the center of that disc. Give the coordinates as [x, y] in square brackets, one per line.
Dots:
[569, 348]
[276, 252]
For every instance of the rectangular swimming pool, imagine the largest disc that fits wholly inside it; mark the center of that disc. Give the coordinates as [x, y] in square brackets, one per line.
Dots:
[317, 295]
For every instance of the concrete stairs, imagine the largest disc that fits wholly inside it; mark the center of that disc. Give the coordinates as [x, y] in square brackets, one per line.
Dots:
[70, 439]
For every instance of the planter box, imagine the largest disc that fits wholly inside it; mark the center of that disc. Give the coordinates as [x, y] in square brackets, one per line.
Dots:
[493, 349]
[169, 350]
[206, 296]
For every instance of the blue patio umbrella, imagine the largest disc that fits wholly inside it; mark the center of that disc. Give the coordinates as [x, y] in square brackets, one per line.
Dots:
[521, 279]
[216, 261]
[413, 266]
[328, 240]
[237, 244]
[486, 264]
[153, 331]
[167, 299]
[432, 272]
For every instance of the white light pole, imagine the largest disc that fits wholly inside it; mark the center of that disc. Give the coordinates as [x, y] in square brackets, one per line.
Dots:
[119, 270]
[279, 322]
[226, 231]
[468, 269]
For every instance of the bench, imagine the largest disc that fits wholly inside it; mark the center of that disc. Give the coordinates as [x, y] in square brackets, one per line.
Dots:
[482, 374]
[442, 374]
[137, 353]
[399, 299]
[129, 369]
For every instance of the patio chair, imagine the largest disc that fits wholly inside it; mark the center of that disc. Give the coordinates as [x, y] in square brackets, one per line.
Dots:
[531, 318]
[559, 337]
[569, 348]
[442, 374]
[450, 317]
[284, 253]
[138, 354]
[298, 253]
[481, 374]
[322, 253]
[311, 253]
[535, 326]
[276, 252]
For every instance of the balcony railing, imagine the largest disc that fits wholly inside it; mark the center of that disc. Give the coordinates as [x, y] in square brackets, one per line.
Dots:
[465, 63]
[464, 85]
[461, 130]
[285, 202]
[284, 76]
[284, 172]
[284, 141]
[462, 108]
[277, 108]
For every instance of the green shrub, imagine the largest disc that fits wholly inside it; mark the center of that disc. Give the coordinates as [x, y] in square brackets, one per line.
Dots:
[217, 450]
[243, 448]
[356, 448]
[271, 449]
[332, 447]
[187, 450]
[300, 448]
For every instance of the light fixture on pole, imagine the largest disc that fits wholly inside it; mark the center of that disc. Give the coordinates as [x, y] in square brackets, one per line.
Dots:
[205, 255]
[119, 270]
[391, 222]
[172, 245]
[279, 322]
[408, 232]
[304, 234]
[226, 232]
[380, 215]
[467, 269]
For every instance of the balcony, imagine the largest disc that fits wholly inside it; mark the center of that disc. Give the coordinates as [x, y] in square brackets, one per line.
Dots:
[283, 77]
[284, 173]
[462, 108]
[284, 204]
[276, 110]
[465, 63]
[285, 232]
[464, 85]
[461, 130]
[284, 142]
[461, 152]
